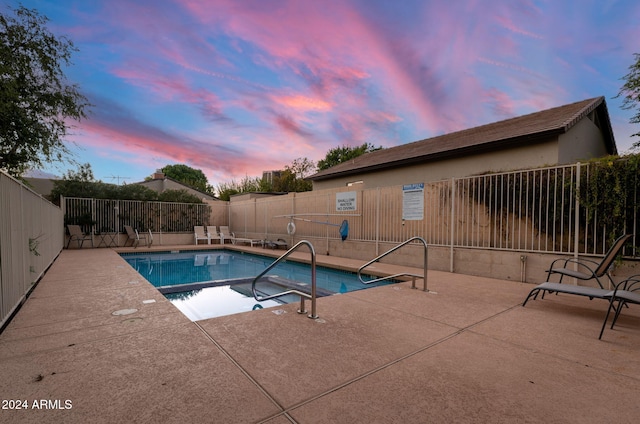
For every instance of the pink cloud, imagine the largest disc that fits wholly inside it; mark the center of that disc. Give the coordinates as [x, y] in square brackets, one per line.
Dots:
[269, 80]
[172, 88]
[303, 103]
[114, 130]
[511, 26]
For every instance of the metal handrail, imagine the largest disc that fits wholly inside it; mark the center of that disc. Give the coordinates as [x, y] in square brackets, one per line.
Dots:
[302, 295]
[405, 274]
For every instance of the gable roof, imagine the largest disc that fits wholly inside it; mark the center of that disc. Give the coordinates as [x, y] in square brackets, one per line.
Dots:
[163, 178]
[520, 130]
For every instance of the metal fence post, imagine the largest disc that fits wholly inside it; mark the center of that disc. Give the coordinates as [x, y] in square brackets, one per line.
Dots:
[453, 221]
[576, 236]
[377, 221]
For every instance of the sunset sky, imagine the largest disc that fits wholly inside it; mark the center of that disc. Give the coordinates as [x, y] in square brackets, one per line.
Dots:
[236, 87]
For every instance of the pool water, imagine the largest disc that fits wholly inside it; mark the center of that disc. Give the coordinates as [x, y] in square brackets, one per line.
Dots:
[206, 284]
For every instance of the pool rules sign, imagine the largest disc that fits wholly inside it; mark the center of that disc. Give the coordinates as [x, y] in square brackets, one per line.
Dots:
[346, 201]
[413, 202]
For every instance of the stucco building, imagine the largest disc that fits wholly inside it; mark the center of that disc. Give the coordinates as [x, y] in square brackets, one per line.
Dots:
[159, 183]
[560, 135]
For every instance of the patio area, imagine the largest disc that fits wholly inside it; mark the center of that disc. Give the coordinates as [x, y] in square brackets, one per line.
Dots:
[464, 352]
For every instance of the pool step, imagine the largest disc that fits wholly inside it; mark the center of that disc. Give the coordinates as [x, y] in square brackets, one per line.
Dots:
[268, 284]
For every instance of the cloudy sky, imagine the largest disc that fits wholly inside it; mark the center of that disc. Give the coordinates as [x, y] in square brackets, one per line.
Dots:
[235, 87]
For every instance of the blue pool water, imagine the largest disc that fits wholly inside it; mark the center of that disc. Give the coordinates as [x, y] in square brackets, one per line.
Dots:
[220, 273]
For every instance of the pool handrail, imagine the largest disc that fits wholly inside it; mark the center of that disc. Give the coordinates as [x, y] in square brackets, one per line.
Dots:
[402, 274]
[303, 295]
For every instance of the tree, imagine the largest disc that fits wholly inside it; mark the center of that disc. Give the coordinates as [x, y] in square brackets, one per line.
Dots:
[631, 93]
[185, 174]
[35, 98]
[293, 176]
[342, 154]
[301, 167]
[286, 182]
[81, 183]
[246, 185]
[180, 196]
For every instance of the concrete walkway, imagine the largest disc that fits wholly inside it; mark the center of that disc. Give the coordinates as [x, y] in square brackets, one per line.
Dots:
[465, 352]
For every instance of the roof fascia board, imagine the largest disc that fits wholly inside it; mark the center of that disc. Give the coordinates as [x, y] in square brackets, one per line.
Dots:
[474, 149]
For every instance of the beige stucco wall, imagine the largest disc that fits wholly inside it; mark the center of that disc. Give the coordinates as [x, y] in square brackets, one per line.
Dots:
[219, 212]
[534, 155]
[241, 197]
[583, 141]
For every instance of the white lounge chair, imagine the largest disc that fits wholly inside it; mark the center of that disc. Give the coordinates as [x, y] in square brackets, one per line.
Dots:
[212, 232]
[198, 234]
[226, 234]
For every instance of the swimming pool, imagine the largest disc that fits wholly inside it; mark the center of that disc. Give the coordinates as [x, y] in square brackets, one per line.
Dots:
[210, 283]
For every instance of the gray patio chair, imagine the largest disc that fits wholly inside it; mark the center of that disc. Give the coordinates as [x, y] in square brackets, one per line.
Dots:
[587, 270]
[275, 244]
[76, 234]
[134, 237]
[626, 292]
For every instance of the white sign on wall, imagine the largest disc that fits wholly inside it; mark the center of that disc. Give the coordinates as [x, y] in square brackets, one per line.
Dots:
[346, 201]
[413, 202]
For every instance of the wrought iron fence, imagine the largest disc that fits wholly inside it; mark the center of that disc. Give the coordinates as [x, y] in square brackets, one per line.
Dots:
[104, 215]
[562, 209]
[576, 209]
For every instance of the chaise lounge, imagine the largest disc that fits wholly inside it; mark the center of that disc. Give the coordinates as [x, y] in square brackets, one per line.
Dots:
[627, 291]
[585, 272]
[273, 244]
[226, 234]
[212, 232]
[198, 234]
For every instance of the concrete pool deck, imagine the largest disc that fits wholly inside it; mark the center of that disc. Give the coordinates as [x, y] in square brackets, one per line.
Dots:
[466, 351]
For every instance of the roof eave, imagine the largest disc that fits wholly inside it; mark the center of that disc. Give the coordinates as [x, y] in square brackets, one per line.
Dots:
[475, 149]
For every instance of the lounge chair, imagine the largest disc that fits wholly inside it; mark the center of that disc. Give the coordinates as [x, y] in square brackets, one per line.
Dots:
[134, 237]
[627, 291]
[198, 234]
[251, 241]
[586, 271]
[212, 232]
[225, 234]
[275, 244]
[76, 234]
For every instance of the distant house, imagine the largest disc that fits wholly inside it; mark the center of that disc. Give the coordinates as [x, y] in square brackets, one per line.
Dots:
[160, 183]
[561, 135]
[42, 186]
